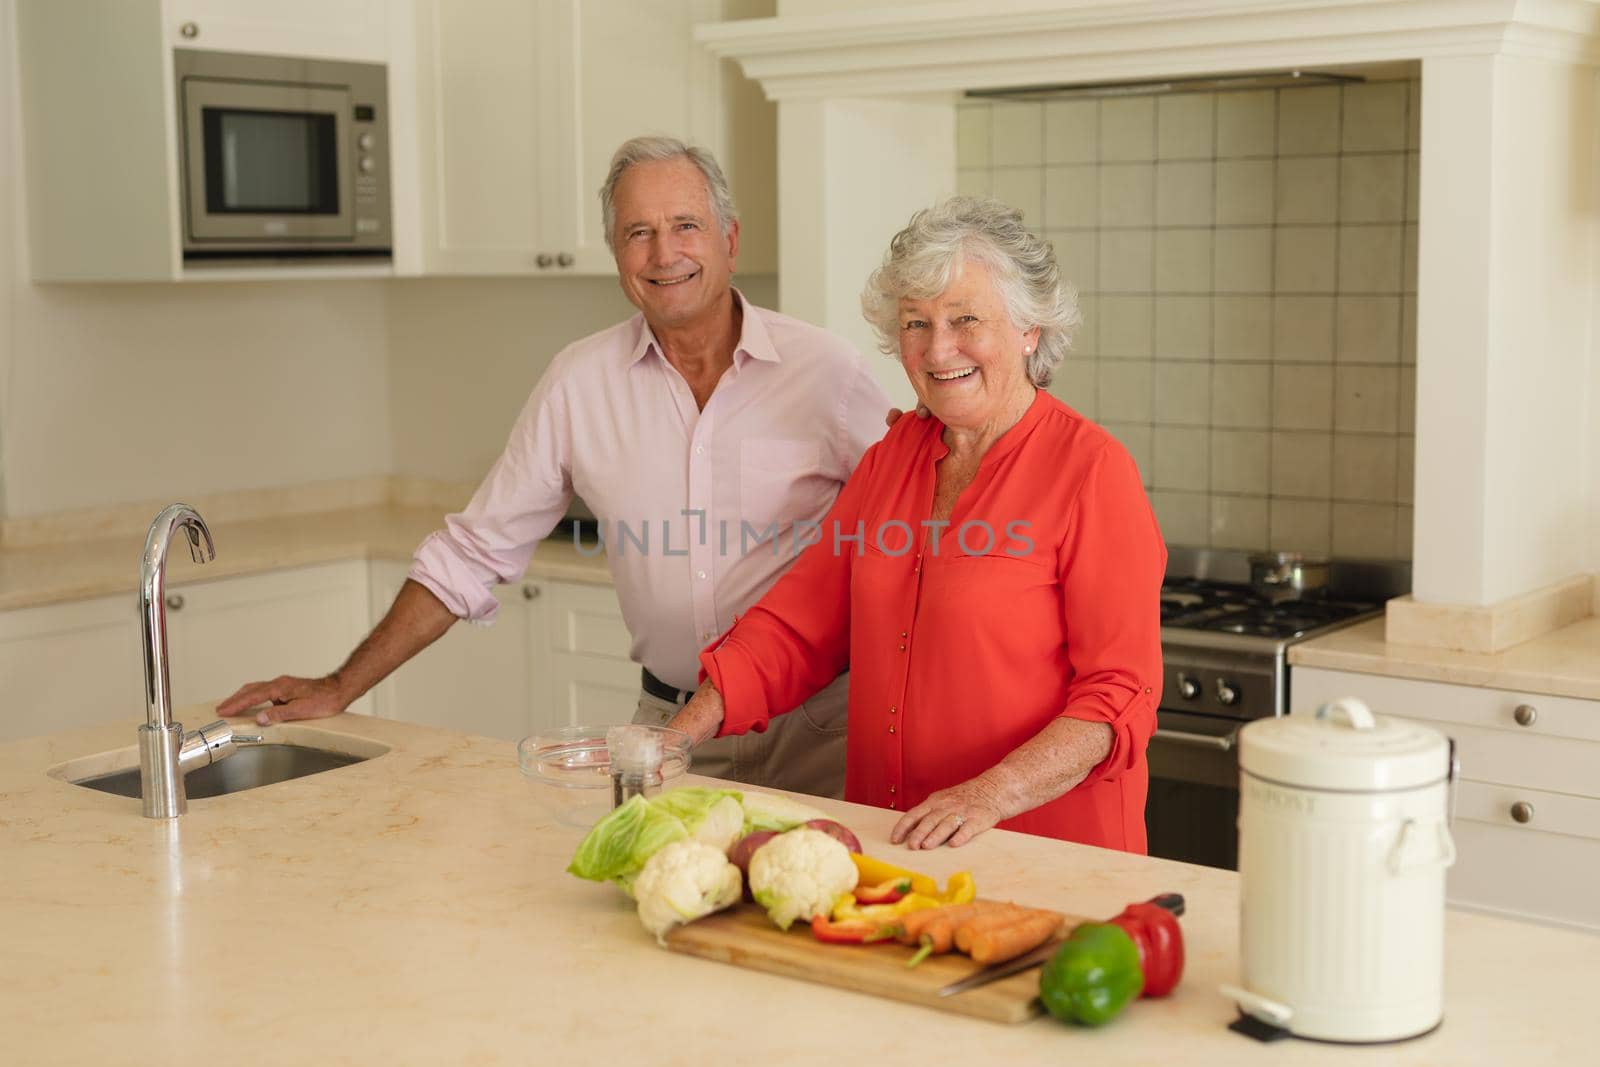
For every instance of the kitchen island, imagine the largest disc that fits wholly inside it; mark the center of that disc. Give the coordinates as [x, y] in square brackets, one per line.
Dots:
[414, 908]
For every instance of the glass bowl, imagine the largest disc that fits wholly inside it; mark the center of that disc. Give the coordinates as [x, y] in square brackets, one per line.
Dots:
[570, 767]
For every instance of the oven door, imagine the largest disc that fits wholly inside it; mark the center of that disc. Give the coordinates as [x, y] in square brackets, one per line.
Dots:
[1192, 811]
[266, 164]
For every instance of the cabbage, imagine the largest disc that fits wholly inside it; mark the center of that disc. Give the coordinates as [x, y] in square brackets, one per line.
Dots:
[712, 816]
[764, 811]
[620, 844]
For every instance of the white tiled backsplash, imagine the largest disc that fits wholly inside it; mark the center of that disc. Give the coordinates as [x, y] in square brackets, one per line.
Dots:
[1246, 261]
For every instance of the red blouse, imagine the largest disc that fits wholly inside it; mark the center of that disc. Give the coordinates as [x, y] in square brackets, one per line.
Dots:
[1040, 598]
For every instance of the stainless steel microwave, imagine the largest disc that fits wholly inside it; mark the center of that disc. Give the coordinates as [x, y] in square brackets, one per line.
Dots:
[282, 157]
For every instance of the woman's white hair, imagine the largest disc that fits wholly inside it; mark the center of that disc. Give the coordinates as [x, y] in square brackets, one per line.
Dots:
[663, 150]
[926, 256]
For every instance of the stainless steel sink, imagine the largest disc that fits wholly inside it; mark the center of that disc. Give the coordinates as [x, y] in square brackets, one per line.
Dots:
[249, 766]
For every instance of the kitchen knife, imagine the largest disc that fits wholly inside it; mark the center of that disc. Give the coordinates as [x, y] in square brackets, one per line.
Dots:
[1003, 970]
[1173, 902]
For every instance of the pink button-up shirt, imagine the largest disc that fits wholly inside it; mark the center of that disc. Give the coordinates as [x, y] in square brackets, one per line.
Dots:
[700, 510]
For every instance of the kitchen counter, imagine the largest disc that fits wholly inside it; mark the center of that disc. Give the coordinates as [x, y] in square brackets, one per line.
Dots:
[1565, 662]
[109, 566]
[414, 909]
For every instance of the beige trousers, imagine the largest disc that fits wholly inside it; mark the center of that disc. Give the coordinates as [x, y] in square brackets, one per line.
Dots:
[802, 750]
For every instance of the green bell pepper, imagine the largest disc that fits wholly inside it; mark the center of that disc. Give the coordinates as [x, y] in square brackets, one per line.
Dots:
[1092, 976]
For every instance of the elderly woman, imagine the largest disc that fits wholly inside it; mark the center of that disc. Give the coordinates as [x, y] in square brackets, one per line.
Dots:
[990, 576]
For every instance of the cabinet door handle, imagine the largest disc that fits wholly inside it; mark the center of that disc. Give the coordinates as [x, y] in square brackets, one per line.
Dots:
[564, 259]
[530, 592]
[1526, 714]
[175, 601]
[1522, 811]
[544, 259]
[189, 30]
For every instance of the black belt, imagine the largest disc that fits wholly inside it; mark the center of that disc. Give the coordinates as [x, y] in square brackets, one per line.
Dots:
[661, 690]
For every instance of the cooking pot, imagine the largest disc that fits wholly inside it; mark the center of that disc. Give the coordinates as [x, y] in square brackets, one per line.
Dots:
[1288, 575]
[1344, 839]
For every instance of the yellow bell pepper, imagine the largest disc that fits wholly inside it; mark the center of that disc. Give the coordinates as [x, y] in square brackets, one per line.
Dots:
[872, 871]
[845, 907]
[961, 889]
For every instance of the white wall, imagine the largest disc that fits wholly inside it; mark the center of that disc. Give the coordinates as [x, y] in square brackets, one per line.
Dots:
[143, 392]
[465, 352]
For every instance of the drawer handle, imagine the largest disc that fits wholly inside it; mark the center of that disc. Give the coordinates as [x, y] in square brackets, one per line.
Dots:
[530, 592]
[1526, 714]
[1522, 811]
[175, 601]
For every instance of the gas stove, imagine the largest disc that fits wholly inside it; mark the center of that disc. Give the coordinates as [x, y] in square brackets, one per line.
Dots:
[1224, 642]
[1228, 608]
[1224, 645]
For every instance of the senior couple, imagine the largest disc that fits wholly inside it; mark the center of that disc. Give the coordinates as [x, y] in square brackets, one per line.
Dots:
[973, 638]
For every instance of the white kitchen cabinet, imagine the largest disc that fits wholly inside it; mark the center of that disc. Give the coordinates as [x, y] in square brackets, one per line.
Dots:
[592, 677]
[475, 678]
[69, 665]
[1527, 806]
[324, 29]
[521, 103]
[100, 133]
[82, 662]
[224, 633]
[556, 655]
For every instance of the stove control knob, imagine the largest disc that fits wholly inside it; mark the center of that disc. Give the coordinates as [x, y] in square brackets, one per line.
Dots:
[1188, 688]
[1227, 693]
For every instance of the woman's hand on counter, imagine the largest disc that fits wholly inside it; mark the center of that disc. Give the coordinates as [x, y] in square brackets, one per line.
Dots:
[951, 816]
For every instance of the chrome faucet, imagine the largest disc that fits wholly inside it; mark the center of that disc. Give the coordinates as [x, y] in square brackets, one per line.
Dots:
[165, 754]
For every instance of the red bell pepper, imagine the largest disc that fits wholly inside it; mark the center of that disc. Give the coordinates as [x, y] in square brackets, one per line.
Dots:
[884, 892]
[847, 931]
[1159, 939]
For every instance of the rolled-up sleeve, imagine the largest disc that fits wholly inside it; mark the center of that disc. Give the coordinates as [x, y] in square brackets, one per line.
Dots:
[518, 504]
[1111, 565]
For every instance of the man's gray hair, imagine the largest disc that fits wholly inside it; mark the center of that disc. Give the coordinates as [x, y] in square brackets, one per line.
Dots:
[926, 256]
[663, 150]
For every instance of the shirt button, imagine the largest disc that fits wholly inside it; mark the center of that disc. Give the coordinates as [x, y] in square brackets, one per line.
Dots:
[891, 803]
[699, 450]
[700, 575]
[891, 789]
[891, 729]
[891, 710]
[903, 633]
[902, 648]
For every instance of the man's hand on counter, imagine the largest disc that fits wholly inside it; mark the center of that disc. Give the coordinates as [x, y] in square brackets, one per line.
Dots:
[415, 620]
[286, 697]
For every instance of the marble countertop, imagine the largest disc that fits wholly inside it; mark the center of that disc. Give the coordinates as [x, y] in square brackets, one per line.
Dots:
[414, 908]
[1565, 662]
[109, 566]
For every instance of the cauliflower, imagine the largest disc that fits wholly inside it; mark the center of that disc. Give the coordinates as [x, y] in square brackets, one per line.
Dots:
[798, 874]
[682, 882]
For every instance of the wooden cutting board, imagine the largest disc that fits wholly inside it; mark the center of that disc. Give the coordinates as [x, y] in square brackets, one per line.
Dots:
[745, 937]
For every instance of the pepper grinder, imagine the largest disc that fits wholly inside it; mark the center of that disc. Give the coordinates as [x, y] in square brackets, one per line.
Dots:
[635, 755]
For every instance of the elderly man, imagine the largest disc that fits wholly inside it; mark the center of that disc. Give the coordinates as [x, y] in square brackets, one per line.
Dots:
[704, 432]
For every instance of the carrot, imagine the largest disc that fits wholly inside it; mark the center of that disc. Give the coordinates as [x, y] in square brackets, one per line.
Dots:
[994, 918]
[997, 944]
[913, 925]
